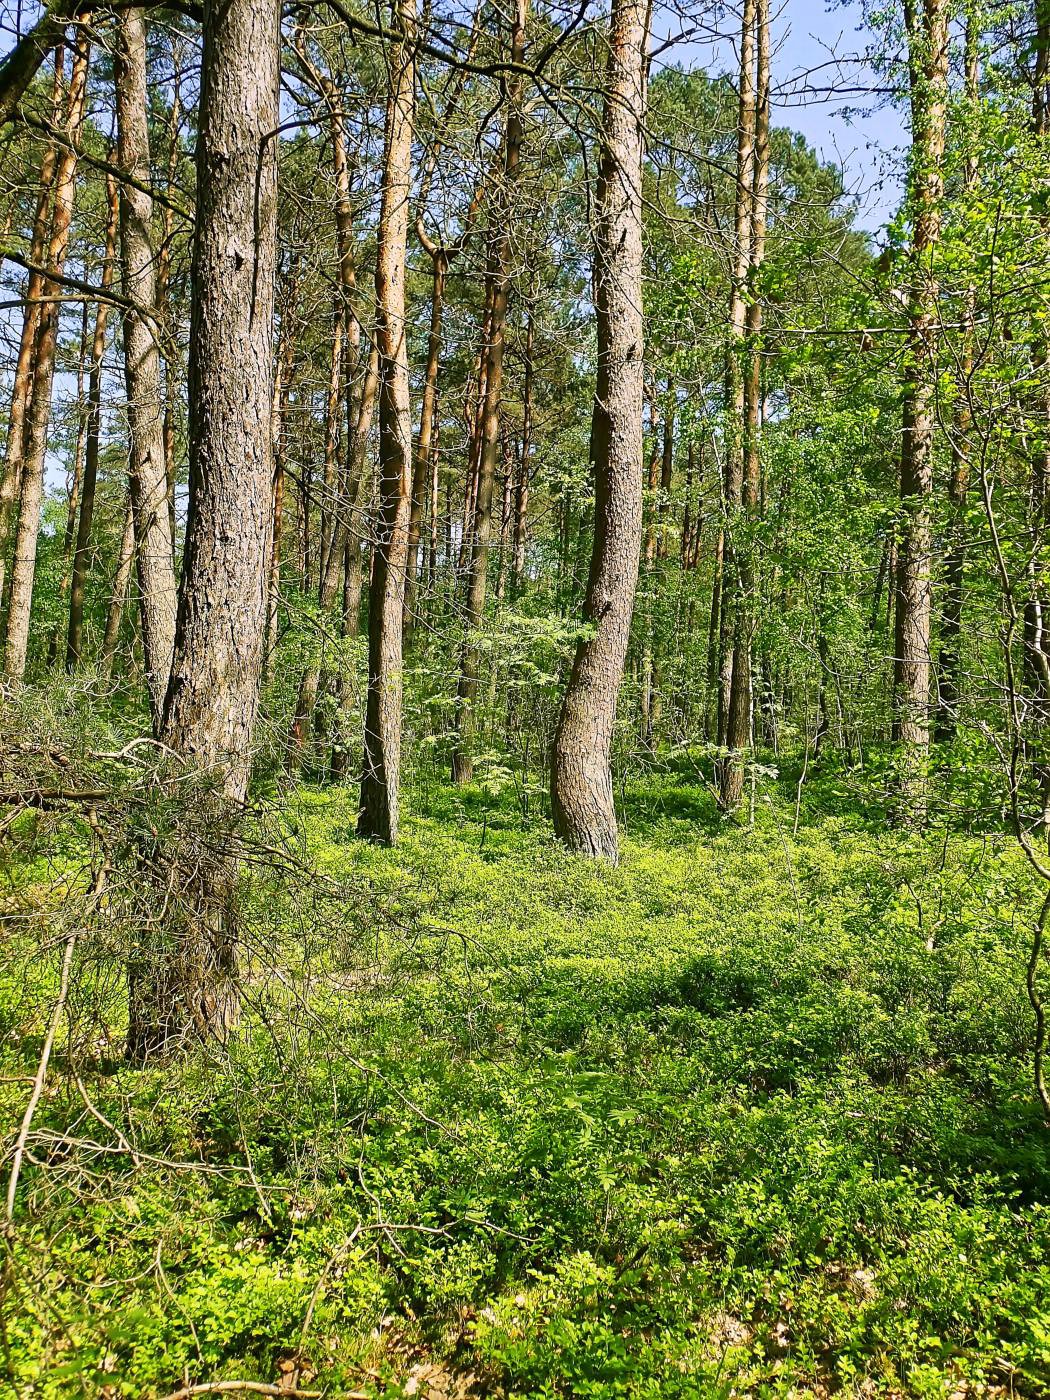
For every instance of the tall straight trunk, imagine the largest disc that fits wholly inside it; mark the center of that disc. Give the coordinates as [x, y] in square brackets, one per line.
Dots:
[76, 481]
[687, 509]
[381, 766]
[333, 404]
[422, 468]
[344, 536]
[164, 306]
[22, 386]
[733, 475]
[118, 594]
[949, 666]
[666, 472]
[739, 717]
[1036, 627]
[148, 477]
[521, 489]
[581, 777]
[23, 565]
[927, 36]
[488, 459]
[652, 486]
[282, 378]
[714, 633]
[475, 416]
[511, 468]
[188, 988]
[435, 508]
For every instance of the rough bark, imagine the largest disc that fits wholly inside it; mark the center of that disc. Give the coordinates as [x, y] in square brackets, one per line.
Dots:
[148, 477]
[381, 767]
[927, 35]
[189, 988]
[581, 777]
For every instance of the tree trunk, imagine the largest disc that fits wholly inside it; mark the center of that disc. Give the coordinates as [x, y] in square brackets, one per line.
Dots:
[148, 477]
[188, 988]
[119, 594]
[488, 459]
[333, 405]
[422, 466]
[76, 481]
[344, 537]
[25, 368]
[381, 767]
[282, 377]
[739, 718]
[581, 778]
[949, 666]
[23, 566]
[927, 66]
[733, 477]
[521, 490]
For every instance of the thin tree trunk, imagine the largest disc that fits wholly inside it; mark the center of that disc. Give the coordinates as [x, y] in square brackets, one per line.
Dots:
[344, 537]
[154, 553]
[381, 767]
[422, 466]
[280, 404]
[25, 368]
[119, 594]
[333, 404]
[76, 480]
[23, 565]
[521, 492]
[666, 472]
[739, 719]
[733, 481]
[581, 777]
[481, 535]
[949, 667]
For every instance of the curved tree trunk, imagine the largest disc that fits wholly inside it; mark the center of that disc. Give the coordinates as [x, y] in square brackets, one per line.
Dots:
[581, 778]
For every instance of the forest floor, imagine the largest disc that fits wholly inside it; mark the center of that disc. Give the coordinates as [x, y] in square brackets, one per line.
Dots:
[749, 1115]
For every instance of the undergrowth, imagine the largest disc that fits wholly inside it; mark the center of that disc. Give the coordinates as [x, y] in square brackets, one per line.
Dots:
[750, 1114]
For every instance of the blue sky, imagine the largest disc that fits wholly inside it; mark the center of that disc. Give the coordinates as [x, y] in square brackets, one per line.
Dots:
[816, 46]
